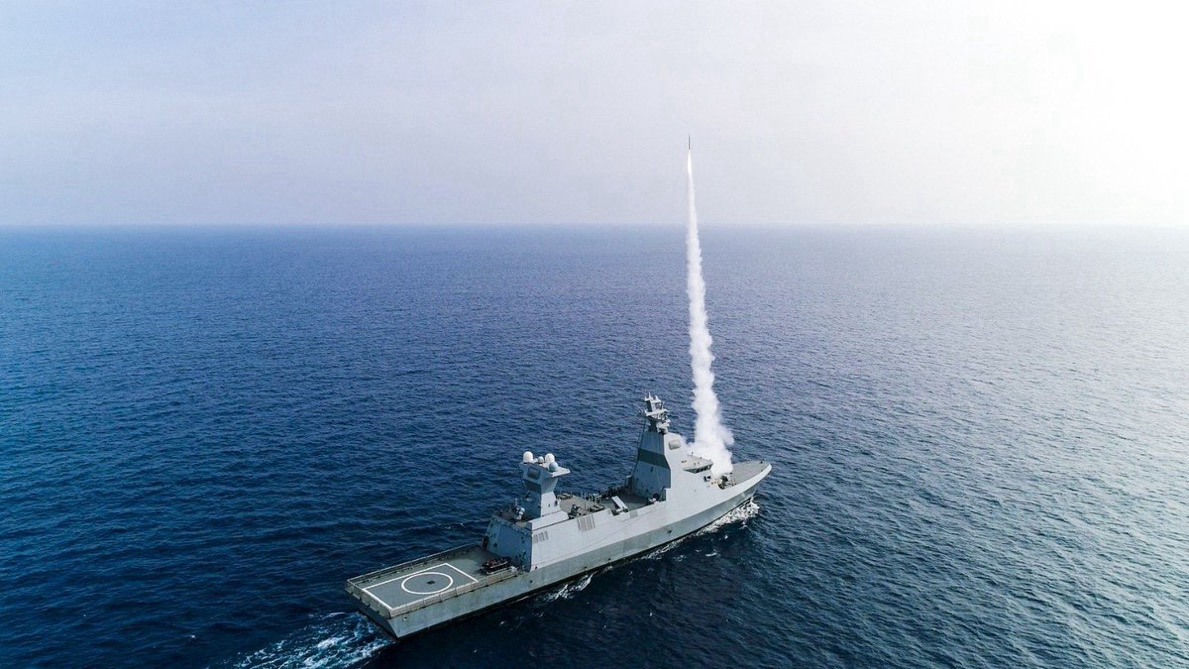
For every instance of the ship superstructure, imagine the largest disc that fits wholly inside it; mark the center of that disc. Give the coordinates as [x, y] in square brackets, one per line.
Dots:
[546, 537]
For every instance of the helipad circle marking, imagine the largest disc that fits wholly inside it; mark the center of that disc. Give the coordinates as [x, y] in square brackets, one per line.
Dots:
[426, 583]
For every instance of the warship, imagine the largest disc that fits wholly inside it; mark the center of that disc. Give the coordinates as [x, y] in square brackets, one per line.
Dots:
[547, 537]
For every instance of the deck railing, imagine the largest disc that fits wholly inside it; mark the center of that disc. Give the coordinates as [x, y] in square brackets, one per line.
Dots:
[372, 575]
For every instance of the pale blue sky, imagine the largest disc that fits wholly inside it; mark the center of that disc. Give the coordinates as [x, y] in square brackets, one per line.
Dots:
[277, 112]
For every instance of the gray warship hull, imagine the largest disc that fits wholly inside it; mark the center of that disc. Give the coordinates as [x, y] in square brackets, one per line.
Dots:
[560, 537]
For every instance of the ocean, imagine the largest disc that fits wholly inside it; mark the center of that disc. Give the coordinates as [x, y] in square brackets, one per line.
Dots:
[980, 442]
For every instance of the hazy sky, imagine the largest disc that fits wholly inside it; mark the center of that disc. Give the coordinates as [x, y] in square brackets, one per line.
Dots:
[273, 112]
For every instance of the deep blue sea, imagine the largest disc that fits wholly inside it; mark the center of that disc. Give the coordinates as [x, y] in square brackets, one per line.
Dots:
[980, 442]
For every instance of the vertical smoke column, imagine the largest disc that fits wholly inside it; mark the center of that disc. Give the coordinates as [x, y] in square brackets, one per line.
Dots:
[711, 437]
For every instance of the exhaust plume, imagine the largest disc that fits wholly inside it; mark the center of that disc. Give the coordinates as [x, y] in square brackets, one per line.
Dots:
[712, 439]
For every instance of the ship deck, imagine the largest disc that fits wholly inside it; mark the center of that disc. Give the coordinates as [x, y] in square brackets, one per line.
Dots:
[412, 585]
[580, 505]
[746, 471]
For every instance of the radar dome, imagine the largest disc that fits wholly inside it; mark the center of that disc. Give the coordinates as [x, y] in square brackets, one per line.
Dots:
[528, 457]
[549, 458]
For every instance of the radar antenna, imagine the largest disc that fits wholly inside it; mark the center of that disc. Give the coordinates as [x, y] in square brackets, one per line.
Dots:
[656, 413]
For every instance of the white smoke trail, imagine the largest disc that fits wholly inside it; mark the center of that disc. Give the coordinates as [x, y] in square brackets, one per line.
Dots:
[711, 438]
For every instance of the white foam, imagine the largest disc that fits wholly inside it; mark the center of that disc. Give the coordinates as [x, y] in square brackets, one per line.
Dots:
[569, 589]
[336, 640]
[740, 514]
[662, 550]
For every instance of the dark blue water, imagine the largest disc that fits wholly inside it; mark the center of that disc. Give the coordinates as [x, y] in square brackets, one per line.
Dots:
[979, 438]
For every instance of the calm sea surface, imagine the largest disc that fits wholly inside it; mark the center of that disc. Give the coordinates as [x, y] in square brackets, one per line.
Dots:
[980, 442]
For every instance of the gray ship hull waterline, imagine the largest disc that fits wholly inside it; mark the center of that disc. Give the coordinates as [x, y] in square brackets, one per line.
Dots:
[549, 537]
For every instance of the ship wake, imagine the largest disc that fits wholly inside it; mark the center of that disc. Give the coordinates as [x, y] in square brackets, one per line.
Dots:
[333, 641]
[568, 590]
[739, 515]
